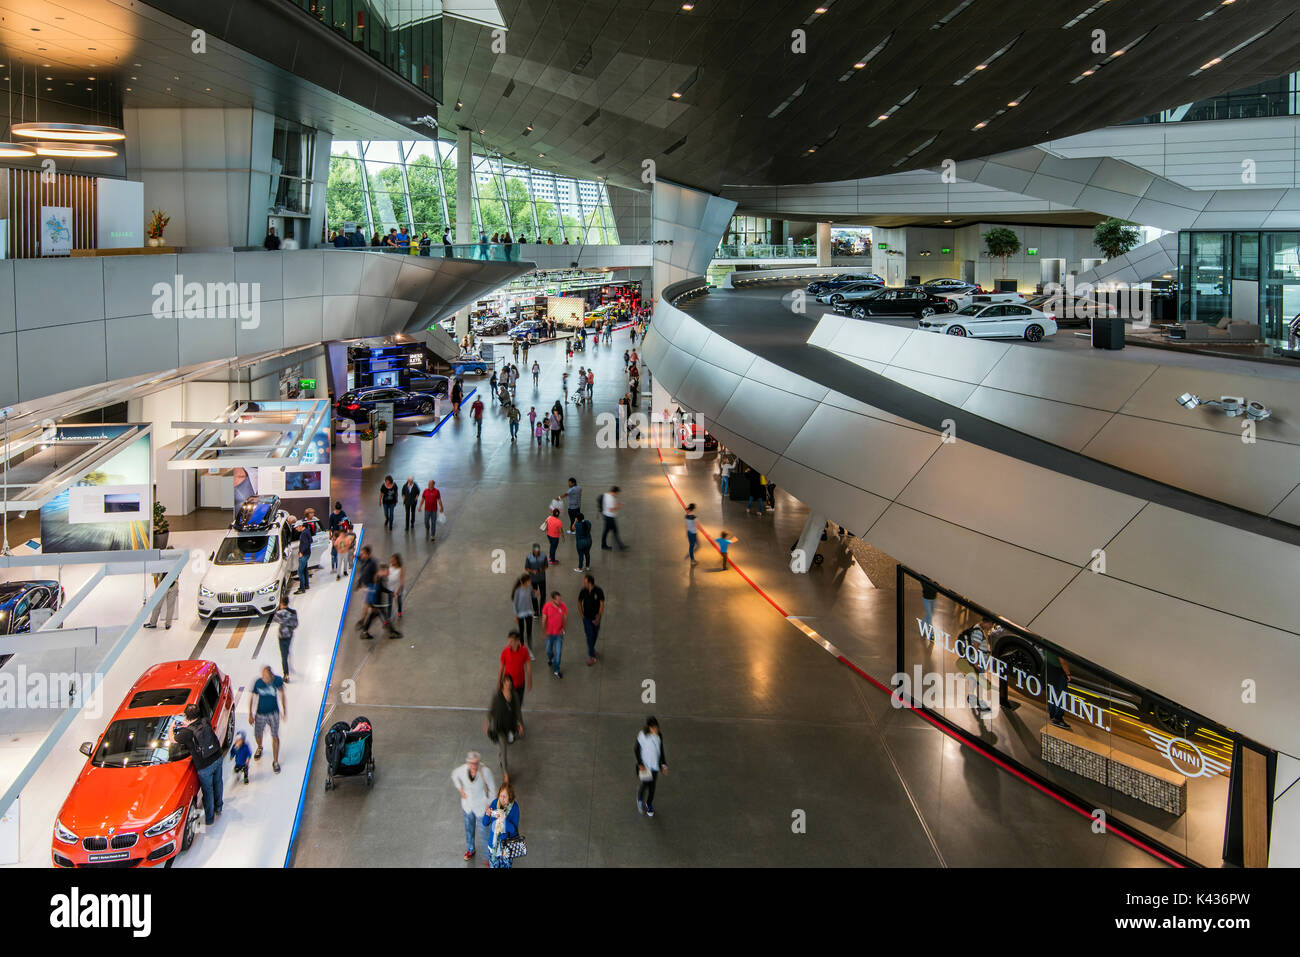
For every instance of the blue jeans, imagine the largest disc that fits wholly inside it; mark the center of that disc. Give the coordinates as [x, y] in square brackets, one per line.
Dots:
[584, 553]
[691, 538]
[554, 646]
[761, 499]
[555, 543]
[472, 825]
[514, 431]
[389, 512]
[210, 785]
[593, 632]
[302, 571]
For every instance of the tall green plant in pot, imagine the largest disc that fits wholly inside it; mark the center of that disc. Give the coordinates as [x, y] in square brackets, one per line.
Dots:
[161, 527]
[1001, 242]
[1115, 237]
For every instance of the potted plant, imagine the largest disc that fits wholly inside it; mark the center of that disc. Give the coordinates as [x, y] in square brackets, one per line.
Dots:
[1001, 242]
[157, 223]
[367, 437]
[161, 528]
[382, 427]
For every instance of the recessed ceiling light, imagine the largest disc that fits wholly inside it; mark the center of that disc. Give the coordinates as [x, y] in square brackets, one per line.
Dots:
[859, 65]
[481, 132]
[883, 116]
[820, 10]
[541, 155]
[49, 78]
[1014, 103]
[812, 149]
[676, 95]
[947, 220]
[981, 124]
[90, 78]
[982, 66]
[688, 7]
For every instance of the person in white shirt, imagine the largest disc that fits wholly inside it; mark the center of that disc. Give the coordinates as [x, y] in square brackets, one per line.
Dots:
[609, 506]
[650, 760]
[477, 789]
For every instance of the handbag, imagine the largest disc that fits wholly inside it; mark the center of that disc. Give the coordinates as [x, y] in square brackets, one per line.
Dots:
[645, 774]
[514, 847]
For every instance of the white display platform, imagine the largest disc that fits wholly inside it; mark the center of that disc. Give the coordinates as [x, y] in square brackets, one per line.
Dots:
[257, 822]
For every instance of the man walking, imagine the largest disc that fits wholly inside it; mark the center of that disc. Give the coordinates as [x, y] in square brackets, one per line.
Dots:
[535, 564]
[168, 600]
[287, 619]
[609, 507]
[477, 789]
[574, 497]
[197, 737]
[518, 664]
[304, 555]
[537, 370]
[410, 499]
[365, 568]
[591, 604]
[476, 412]
[431, 502]
[555, 616]
[272, 704]
[514, 417]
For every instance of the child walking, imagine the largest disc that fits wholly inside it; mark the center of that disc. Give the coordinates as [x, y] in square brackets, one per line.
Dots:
[724, 541]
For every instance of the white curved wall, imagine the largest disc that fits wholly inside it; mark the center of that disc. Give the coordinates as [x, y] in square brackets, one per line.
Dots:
[1187, 607]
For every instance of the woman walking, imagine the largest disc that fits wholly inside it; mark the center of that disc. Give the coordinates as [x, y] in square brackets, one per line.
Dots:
[521, 598]
[396, 581]
[582, 541]
[388, 499]
[502, 821]
[650, 760]
[692, 533]
[554, 530]
[457, 395]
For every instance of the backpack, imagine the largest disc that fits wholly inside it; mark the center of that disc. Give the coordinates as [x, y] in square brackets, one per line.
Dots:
[206, 745]
[600, 503]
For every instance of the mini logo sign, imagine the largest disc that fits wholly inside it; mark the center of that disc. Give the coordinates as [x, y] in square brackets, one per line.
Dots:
[1185, 757]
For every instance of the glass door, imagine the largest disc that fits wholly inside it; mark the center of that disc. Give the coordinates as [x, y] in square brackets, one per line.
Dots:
[1280, 283]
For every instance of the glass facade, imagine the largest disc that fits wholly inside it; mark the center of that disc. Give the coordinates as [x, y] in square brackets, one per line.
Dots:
[382, 185]
[1278, 97]
[404, 35]
[1240, 275]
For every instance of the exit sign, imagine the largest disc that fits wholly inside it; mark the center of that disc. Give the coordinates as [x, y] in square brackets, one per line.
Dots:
[946, 250]
[881, 246]
[1031, 251]
[306, 383]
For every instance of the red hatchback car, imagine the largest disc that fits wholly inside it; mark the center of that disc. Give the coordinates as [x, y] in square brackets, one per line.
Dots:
[137, 800]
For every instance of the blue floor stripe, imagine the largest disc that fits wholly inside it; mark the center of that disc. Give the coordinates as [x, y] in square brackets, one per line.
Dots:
[320, 715]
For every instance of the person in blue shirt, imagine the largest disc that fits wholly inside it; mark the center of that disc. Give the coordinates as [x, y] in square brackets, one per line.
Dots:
[342, 240]
[724, 542]
[502, 821]
[240, 752]
[402, 238]
[269, 698]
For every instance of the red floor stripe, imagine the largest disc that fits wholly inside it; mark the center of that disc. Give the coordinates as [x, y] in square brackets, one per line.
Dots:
[937, 724]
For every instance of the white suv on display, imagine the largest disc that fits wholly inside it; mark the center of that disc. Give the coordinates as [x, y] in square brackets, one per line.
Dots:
[255, 561]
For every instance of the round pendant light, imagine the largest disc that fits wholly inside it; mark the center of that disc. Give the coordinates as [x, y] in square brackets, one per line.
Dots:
[69, 132]
[16, 150]
[75, 150]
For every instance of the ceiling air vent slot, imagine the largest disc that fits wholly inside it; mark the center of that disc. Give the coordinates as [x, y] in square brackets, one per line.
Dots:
[680, 143]
[510, 88]
[591, 119]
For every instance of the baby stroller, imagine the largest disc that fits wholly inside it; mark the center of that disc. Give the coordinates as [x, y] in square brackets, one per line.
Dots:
[348, 752]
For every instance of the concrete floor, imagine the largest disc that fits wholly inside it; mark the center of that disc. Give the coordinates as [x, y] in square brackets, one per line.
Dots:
[759, 722]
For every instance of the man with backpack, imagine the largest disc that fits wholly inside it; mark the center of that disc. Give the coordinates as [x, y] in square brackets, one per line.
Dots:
[287, 619]
[197, 737]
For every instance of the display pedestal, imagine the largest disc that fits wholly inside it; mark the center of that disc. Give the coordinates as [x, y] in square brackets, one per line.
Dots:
[367, 452]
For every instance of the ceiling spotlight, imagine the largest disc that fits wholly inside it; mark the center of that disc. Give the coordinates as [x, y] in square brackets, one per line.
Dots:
[1189, 400]
[482, 132]
[883, 116]
[982, 66]
[677, 95]
[688, 7]
[1014, 103]
[820, 10]
[859, 65]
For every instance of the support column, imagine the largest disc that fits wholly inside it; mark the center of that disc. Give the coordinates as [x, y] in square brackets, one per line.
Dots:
[801, 558]
[823, 244]
[464, 211]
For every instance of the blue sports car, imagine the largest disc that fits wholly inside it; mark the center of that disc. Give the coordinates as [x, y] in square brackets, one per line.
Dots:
[359, 403]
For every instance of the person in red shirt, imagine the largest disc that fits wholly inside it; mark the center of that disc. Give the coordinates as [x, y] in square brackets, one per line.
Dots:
[555, 615]
[516, 663]
[554, 530]
[431, 502]
[476, 410]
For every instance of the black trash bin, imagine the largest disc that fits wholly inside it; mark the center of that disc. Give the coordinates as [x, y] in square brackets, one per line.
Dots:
[1108, 333]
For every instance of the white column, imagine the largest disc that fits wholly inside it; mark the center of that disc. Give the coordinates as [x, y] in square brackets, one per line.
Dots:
[802, 558]
[823, 244]
[464, 210]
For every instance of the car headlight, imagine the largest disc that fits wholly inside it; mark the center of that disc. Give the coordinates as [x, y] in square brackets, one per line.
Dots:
[63, 834]
[166, 824]
[268, 589]
[205, 592]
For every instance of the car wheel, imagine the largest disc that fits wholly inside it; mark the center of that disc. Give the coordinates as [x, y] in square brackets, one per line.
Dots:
[927, 312]
[1019, 656]
[949, 306]
[836, 299]
[859, 312]
[426, 408]
[230, 731]
[956, 331]
[1034, 333]
[191, 823]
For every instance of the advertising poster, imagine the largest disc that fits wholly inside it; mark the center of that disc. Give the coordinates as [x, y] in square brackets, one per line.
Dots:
[111, 507]
[1158, 768]
[56, 230]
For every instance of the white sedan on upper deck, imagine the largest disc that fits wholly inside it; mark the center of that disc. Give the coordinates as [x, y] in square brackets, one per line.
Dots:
[999, 320]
